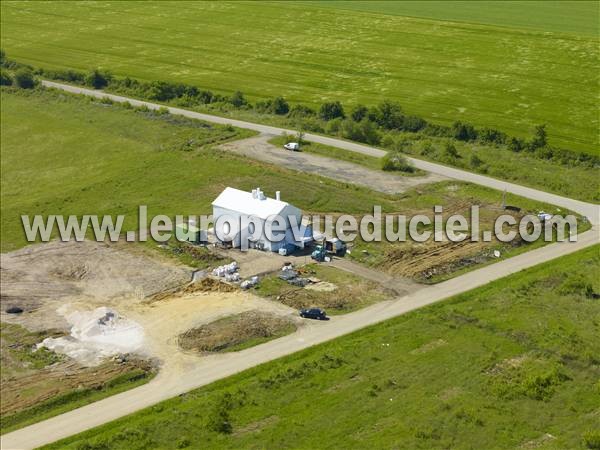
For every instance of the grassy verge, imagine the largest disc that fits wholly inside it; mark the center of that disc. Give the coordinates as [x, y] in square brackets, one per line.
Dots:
[487, 369]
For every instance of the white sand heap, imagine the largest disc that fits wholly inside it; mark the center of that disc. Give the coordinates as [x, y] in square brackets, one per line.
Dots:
[96, 335]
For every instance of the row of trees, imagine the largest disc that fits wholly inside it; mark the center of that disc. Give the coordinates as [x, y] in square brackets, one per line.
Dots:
[361, 123]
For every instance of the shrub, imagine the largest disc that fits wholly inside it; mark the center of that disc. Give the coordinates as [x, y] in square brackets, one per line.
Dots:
[388, 115]
[387, 140]
[205, 96]
[490, 135]
[539, 138]
[414, 123]
[334, 126]
[464, 131]
[359, 112]
[5, 79]
[394, 161]
[279, 106]
[363, 131]
[516, 144]
[450, 152]
[475, 161]
[276, 106]
[311, 124]
[219, 420]
[541, 387]
[24, 78]
[428, 149]
[332, 110]
[591, 439]
[238, 100]
[97, 79]
[161, 91]
[301, 111]
[71, 76]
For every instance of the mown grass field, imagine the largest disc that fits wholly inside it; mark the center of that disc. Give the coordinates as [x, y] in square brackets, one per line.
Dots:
[511, 365]
[497, 76]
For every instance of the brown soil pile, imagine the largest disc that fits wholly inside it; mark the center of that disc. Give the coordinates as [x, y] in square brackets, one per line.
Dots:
[235, 330]
[208, 284]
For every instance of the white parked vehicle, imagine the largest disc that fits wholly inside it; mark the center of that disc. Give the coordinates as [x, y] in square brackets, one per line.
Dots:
[293, 146]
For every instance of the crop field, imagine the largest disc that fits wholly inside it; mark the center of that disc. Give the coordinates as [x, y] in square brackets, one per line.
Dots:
[513, 364]
[538, 64]
[577, 17]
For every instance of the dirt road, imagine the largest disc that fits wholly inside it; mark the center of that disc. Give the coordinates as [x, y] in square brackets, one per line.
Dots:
[210, 369]
[259, 148]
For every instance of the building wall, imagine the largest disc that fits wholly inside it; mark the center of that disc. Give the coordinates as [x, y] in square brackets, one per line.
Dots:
[267, 245]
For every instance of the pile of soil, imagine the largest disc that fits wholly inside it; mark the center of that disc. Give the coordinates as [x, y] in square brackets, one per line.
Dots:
[235, 330]
[207, 284]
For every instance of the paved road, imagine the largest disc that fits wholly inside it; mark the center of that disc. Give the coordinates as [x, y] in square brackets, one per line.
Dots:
[213, 368]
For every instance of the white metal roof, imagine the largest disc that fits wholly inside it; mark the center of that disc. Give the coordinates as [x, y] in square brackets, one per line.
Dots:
[245, 203]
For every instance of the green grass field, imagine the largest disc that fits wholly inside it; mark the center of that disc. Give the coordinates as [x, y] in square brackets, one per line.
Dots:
[65, 155]
[500, 367]
[507, 78]
[577, 17]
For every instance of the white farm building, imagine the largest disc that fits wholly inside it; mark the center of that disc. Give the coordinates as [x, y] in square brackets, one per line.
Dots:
[236, 213]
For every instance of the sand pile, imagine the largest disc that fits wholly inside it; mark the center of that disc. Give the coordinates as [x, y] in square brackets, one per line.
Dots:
[97, 334]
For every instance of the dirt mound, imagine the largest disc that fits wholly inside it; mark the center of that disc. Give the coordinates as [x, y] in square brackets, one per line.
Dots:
[231, 332]
[207, 284]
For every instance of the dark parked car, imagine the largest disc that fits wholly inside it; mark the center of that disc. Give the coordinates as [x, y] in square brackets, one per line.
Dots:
[314, 313]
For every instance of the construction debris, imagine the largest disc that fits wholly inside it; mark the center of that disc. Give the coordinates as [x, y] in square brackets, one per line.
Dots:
[247, 284]
[227, 269]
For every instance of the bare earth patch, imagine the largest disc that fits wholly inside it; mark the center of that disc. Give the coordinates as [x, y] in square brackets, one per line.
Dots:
[260, 149]
[40, 278]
